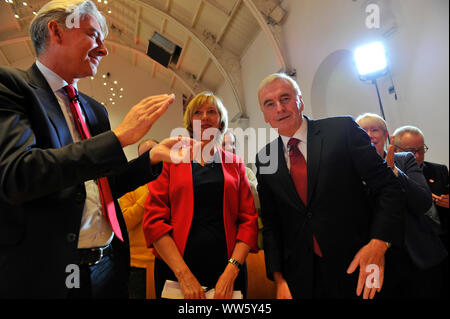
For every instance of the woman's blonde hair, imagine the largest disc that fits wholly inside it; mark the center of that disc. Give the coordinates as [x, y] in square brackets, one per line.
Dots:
[198, 101]
[371, 116]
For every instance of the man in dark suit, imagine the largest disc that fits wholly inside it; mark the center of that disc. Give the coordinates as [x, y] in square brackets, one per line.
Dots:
[411, 139]
[60, 234]
[317, 232]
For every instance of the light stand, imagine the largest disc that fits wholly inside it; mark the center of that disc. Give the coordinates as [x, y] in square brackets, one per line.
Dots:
[371, 62]
[374, 81]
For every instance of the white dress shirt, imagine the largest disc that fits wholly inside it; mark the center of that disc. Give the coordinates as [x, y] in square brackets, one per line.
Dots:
[95, 230]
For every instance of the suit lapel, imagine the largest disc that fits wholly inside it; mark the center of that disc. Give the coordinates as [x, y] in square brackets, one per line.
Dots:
[50, 104]
[314, 153]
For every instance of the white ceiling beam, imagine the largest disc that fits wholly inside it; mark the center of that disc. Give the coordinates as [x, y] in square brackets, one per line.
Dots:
[3, 56]
[202, 71]
[217, 6]
[137, 28]
[168, 5]
[183, 52]
[229, 19]
[196, 16]
[163, 27]
[135, 59]
[155, 66]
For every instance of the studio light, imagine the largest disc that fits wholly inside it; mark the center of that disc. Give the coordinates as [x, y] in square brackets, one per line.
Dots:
[371, 61]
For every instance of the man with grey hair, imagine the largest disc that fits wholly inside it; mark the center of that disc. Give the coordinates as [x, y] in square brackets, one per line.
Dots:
[318, 224]
[411, 139]
[62, 233]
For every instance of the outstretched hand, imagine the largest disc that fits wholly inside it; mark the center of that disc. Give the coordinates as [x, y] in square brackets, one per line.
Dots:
[370, 257]
[141, 118]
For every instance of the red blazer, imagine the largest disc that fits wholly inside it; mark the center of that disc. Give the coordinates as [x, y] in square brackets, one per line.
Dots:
[170, 205]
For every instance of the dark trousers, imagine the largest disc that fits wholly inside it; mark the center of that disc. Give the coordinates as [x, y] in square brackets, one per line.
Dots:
[404, 280]
[100, 281]
[332, 283]
[138, 283]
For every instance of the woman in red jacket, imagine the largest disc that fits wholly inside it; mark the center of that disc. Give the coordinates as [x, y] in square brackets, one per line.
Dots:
[200, 216]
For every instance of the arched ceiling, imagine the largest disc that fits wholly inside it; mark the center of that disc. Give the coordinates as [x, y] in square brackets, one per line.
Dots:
[213, 36]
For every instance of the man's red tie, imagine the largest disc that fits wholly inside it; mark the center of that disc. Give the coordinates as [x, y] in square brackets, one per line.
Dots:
[108, 208]
[300, 177]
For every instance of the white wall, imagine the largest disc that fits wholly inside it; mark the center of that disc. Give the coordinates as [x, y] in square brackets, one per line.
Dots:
[320, 37]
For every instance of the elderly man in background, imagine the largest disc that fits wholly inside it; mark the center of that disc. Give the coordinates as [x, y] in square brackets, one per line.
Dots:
[411, 139]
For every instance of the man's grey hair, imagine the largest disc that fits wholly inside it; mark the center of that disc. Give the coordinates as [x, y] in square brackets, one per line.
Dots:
[276, 76]
[59, 10]
[398, 134]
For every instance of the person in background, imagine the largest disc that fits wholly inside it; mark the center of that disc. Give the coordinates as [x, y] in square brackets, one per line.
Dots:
[62, 167]
[318, 224]
[200, 216]
[132, 205]
[411, 139]
[412, 272]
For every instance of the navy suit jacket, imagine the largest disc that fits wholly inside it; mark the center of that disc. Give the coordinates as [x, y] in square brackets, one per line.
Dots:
[42, 193]
[422, 243]
[339, 158]
[438, 181]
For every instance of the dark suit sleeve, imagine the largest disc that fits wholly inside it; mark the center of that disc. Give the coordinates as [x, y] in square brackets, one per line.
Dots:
[273, 248]
[136, 173]
[418, 195]
[387, 222]
[28, 172]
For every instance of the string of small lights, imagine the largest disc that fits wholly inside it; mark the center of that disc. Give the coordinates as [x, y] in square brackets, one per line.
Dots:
[23, 9]
[114, 90]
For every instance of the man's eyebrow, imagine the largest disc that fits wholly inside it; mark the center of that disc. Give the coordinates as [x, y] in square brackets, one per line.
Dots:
[281, 95]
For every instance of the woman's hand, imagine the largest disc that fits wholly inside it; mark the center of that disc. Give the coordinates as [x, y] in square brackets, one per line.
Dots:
[190, 286]
[225, 285]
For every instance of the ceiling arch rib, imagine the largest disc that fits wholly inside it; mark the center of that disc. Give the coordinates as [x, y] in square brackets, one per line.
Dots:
[226, 62]
[261, 10]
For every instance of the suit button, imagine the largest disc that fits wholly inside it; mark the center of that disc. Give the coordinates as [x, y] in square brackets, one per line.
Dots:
[309, 215]
[71, 237]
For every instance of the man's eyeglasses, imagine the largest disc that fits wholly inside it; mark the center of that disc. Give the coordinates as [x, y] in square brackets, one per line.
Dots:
[422, 150]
